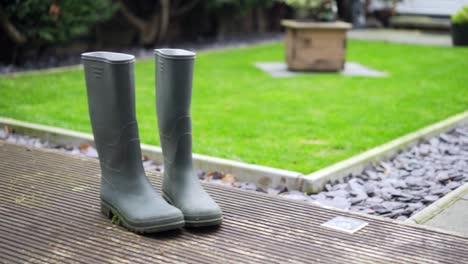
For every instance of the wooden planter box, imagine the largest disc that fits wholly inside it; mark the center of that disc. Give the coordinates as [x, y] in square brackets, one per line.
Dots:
[315, 46]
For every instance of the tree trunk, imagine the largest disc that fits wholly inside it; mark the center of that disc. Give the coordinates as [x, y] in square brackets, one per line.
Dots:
[10, 29]
[261, 19]
[165, 15]
[155, 28]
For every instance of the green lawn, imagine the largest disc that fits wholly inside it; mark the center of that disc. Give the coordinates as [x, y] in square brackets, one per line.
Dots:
[303, 123]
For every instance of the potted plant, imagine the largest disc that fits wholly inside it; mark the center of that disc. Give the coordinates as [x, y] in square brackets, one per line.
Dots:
[313, 10]
[315, 41]
[460, 27]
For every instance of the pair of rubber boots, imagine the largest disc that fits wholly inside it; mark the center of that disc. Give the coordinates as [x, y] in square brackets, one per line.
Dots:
[126, 192]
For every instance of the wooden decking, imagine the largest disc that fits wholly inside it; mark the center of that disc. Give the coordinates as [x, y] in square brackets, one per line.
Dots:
[49, 212]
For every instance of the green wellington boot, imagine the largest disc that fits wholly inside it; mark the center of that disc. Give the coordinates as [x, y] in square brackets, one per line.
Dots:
[181, 188]
[125, 190]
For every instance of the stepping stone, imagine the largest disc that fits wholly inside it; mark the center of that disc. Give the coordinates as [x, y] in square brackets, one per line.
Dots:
[280, 70]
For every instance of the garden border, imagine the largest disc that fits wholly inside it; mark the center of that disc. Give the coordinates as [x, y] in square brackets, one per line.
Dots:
[263, 176]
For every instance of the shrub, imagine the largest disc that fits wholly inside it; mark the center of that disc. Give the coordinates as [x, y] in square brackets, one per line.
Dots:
[461, 17]
[240, 6]
[55, 20]
[320, 10]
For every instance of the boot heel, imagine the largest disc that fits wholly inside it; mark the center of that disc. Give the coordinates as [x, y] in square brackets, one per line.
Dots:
[106, 210]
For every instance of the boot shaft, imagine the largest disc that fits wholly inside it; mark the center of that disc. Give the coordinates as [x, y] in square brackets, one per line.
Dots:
[110, 87]
[174, 72]
[111, 100]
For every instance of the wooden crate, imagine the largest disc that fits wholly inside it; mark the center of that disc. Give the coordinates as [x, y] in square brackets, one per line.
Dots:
[315, 46]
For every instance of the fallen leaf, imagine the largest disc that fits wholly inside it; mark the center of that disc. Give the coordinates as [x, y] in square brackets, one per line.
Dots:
[215, 175]
[228, 178]
[84, 146]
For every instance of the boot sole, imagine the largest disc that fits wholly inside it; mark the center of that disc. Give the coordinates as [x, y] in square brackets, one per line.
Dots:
[110, 212]
[202, 223]
[190, 222]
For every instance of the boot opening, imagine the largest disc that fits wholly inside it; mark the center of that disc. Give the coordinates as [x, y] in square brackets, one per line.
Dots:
[175, 53]
[110, 57]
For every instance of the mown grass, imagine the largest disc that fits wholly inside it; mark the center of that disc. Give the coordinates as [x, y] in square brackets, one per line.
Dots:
[302, 123]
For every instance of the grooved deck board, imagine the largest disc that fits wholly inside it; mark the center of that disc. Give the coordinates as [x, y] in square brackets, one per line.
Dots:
[49, 212]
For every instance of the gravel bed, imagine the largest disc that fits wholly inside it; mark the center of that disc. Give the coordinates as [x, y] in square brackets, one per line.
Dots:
[87, 150]
[46, 62]
[401, 187]
[395, 189]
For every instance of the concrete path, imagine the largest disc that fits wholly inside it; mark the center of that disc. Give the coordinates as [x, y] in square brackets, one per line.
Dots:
[449, 213]
[402, 36]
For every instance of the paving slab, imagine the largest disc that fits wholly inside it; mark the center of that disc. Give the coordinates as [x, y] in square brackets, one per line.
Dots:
[453, 218]
[449, 213]
[280, 70]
